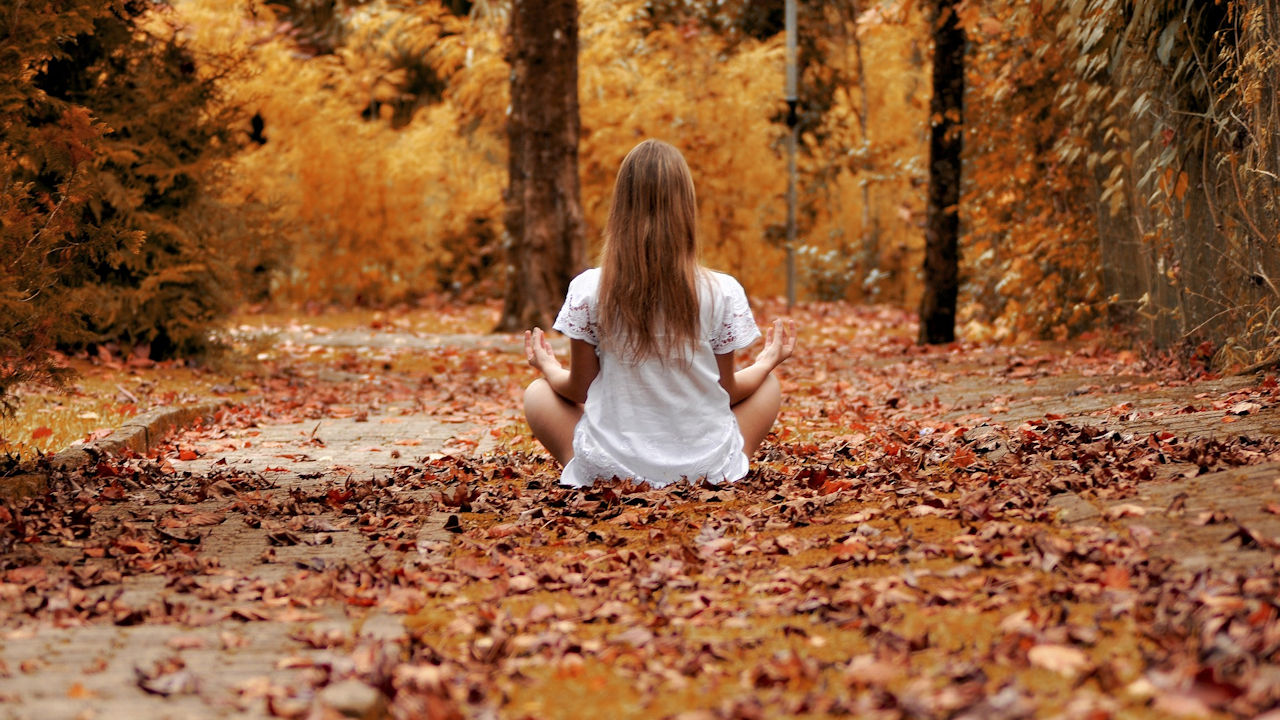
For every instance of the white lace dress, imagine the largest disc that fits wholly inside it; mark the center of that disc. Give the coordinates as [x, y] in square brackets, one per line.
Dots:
[654, 423]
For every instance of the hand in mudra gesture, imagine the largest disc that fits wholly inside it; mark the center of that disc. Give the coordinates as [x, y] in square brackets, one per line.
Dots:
[538, 351]
[779, 343]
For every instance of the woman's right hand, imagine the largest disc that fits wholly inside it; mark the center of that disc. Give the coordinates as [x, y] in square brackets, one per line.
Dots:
[779, 343]
[539, 353]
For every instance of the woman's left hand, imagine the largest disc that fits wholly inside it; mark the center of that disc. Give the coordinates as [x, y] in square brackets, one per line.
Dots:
[539, 353]
[779, 343]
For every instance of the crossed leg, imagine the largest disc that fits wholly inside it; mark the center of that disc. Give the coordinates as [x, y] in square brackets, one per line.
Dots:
[553, 418]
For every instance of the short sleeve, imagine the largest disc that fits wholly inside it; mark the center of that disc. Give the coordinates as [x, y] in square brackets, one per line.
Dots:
[577, 316]
[736, 328]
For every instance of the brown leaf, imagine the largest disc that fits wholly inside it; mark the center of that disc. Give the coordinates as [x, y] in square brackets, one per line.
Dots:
[1062, 659]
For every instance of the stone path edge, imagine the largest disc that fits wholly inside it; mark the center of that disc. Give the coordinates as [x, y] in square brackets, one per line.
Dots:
[139, 435]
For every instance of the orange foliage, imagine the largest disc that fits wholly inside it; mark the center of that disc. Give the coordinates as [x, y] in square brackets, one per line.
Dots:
[370, 212]
[1030, 246]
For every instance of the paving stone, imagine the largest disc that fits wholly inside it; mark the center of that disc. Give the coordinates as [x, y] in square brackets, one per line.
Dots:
[92, 671]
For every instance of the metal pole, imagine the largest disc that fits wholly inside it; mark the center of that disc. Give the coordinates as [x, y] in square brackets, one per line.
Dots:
[793, 122]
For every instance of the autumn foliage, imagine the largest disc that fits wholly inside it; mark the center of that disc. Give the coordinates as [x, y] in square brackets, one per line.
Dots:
[166, 162]
[107, 230]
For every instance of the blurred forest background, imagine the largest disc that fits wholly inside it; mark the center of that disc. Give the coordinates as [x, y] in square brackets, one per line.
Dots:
[164, 163]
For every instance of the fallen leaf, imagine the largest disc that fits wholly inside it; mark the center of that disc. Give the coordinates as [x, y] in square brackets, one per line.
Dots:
[1062, 659]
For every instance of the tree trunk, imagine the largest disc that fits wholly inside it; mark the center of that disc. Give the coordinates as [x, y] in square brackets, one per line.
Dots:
[544, 212]
[870, 224]
[942, 231]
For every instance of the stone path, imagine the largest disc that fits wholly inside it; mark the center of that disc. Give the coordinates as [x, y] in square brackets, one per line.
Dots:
[1197, 521]
[224, 660]
[220, 665]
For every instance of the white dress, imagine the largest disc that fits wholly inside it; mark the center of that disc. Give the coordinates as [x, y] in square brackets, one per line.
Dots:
[653, 423]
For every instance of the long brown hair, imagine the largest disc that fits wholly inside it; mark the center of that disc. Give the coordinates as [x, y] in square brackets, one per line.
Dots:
[649, 268]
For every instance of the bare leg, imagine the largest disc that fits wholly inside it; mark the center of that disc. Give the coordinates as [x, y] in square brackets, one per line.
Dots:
[756, 413]
[552, 419]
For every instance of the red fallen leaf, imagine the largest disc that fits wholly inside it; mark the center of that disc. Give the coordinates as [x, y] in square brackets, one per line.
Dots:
[831, 486]
[1115, 576]
[26, 575]
[849, 549]
[1273, 508]
[41, 432]
[336, 498]
[964, 457]
[1262, 616]
[114, 491]
[812, 479]
[105, 469]
[187, 455]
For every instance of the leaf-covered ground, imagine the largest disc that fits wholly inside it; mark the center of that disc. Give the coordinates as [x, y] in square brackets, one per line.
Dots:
[962, 532]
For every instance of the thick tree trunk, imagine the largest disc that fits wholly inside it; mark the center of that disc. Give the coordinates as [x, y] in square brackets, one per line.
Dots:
[544, 212]
[942, 231]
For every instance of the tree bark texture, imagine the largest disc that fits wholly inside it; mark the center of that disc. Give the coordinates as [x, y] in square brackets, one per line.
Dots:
[544, 210]
[942, 229]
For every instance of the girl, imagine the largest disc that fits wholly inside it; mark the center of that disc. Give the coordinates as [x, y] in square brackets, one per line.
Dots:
[651, 392]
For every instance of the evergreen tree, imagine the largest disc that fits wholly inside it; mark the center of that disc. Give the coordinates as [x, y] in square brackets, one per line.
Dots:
[108, 134]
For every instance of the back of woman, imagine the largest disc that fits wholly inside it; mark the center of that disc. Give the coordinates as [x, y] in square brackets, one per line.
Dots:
[665, 416]
[651, 393]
